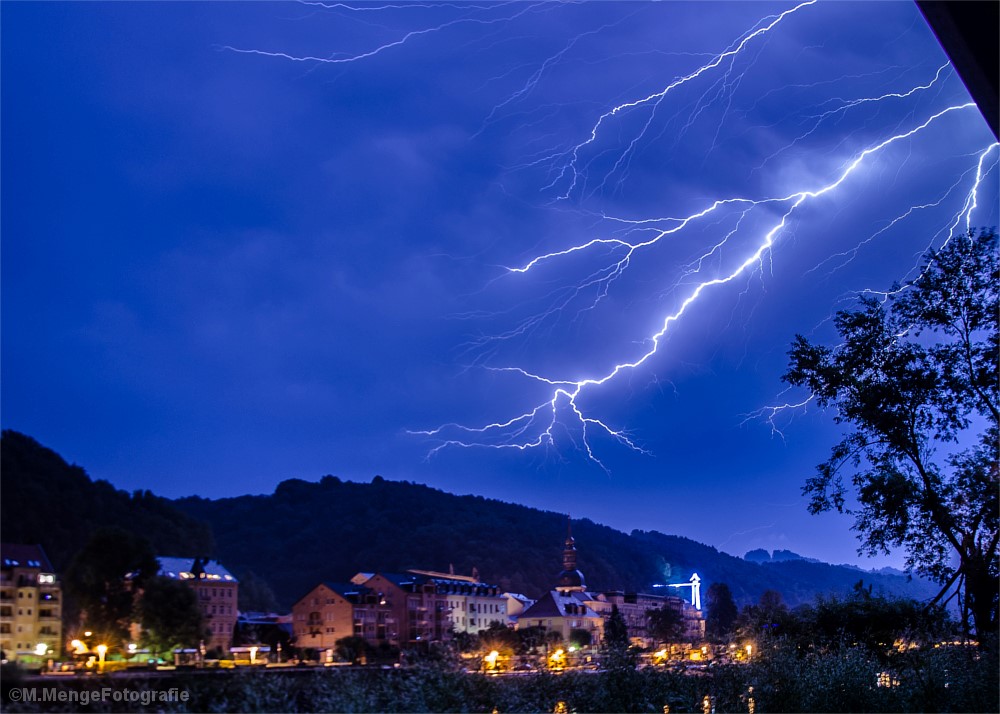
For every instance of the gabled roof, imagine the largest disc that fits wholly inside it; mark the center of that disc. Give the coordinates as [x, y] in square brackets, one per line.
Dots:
[17, 555]
[557, 604]
[346, 590]
[404, 580]
[181, 569]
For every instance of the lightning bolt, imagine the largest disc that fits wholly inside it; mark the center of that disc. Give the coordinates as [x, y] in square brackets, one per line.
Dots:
[746, 229]
[517, 432]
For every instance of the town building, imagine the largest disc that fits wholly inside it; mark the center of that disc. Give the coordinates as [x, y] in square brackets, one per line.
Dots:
[470, 605]
[569, 606]
[217, 590]
[30, 603]
[635, 608]
[402, 608]
[516, 605]
[330, 612]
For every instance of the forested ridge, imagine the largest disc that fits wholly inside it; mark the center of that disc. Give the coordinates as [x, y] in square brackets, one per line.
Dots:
[306, 532]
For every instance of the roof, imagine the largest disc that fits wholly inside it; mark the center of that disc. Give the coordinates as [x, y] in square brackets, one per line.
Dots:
[345, 589]
[17, 555]
[519, 596]
[557, 604]
[404, 580]
[180, 569]
[435, 575]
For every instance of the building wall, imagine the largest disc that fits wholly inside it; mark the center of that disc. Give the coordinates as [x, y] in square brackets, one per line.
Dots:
[321, 618]
[385, 611]
[218, 600]
[30, 611]
[474, 607]
[635, 606]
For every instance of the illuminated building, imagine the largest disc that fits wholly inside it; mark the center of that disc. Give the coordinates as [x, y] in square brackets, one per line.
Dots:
[30, 603]
[635, 608]
[217, 590]
[326, 614]
[470, 605]
[569, 606]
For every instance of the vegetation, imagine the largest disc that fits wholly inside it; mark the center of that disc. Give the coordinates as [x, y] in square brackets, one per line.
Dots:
[393, 526]
[170, 616]
[721, 612]
[945, 679]
[103, 580]
[665, 624]
[47, 501]
[916, 377]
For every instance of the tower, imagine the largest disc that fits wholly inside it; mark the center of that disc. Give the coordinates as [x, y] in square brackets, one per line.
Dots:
[570, 579]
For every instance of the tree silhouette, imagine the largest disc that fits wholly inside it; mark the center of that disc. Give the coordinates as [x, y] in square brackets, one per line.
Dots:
[917, 377]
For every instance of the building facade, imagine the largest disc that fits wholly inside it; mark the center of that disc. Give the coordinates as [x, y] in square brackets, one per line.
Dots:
[569, 606]
[218, 594]
[327, 613]
[469, 605]
[30, 603]
[635, 608]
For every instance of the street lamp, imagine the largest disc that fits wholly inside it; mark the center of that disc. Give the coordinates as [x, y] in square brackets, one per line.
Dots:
[491, 659]
[101, 651]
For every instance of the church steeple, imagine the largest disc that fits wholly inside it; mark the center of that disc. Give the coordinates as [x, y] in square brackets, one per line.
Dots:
[570, 578]
[569, 554]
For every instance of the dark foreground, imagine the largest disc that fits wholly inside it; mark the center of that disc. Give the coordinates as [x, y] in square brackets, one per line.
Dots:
[958, 680]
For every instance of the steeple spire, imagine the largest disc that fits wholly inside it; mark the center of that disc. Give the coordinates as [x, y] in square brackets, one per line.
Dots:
[569, 554]
[570, 578]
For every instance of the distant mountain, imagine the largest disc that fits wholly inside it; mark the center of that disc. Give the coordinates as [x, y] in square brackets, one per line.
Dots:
[45, 500]
[779, 556]
[306, 532]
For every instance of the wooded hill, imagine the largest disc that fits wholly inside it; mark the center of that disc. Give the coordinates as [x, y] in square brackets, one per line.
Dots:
[306, 532]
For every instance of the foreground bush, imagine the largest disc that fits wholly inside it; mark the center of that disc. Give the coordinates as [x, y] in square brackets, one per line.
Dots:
[785, 680]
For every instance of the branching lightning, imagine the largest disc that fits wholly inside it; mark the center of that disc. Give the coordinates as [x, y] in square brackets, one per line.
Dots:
[745, 230]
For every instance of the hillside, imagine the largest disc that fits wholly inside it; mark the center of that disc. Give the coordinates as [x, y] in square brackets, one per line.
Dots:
[306, 532]
[45, 500]
[333, 529]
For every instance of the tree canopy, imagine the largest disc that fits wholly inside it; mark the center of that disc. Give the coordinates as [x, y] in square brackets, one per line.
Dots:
[104, 577]
[916, 377]
[721, 613]
[170, 615]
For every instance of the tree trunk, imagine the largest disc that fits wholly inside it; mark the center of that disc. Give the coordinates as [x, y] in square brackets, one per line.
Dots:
[981, 593]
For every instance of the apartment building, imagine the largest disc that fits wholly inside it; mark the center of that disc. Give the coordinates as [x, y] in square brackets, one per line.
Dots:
[217, 590]
[30, 603]
[470, 605]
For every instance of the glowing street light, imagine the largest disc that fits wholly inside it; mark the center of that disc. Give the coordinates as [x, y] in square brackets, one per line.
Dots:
[491, 659]
[40, 649]
[78, 647]
[101, 651]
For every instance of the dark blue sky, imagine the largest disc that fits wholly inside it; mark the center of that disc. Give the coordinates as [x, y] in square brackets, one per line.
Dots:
[225, 264]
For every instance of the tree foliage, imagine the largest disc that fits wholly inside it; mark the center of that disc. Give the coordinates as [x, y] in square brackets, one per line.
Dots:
[916, 377]
[874, 622]
[665, 624]
[170, 615]
[721, 613]
[104, 577]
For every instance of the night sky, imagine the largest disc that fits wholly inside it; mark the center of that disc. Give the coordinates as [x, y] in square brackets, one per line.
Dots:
[243, 242]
